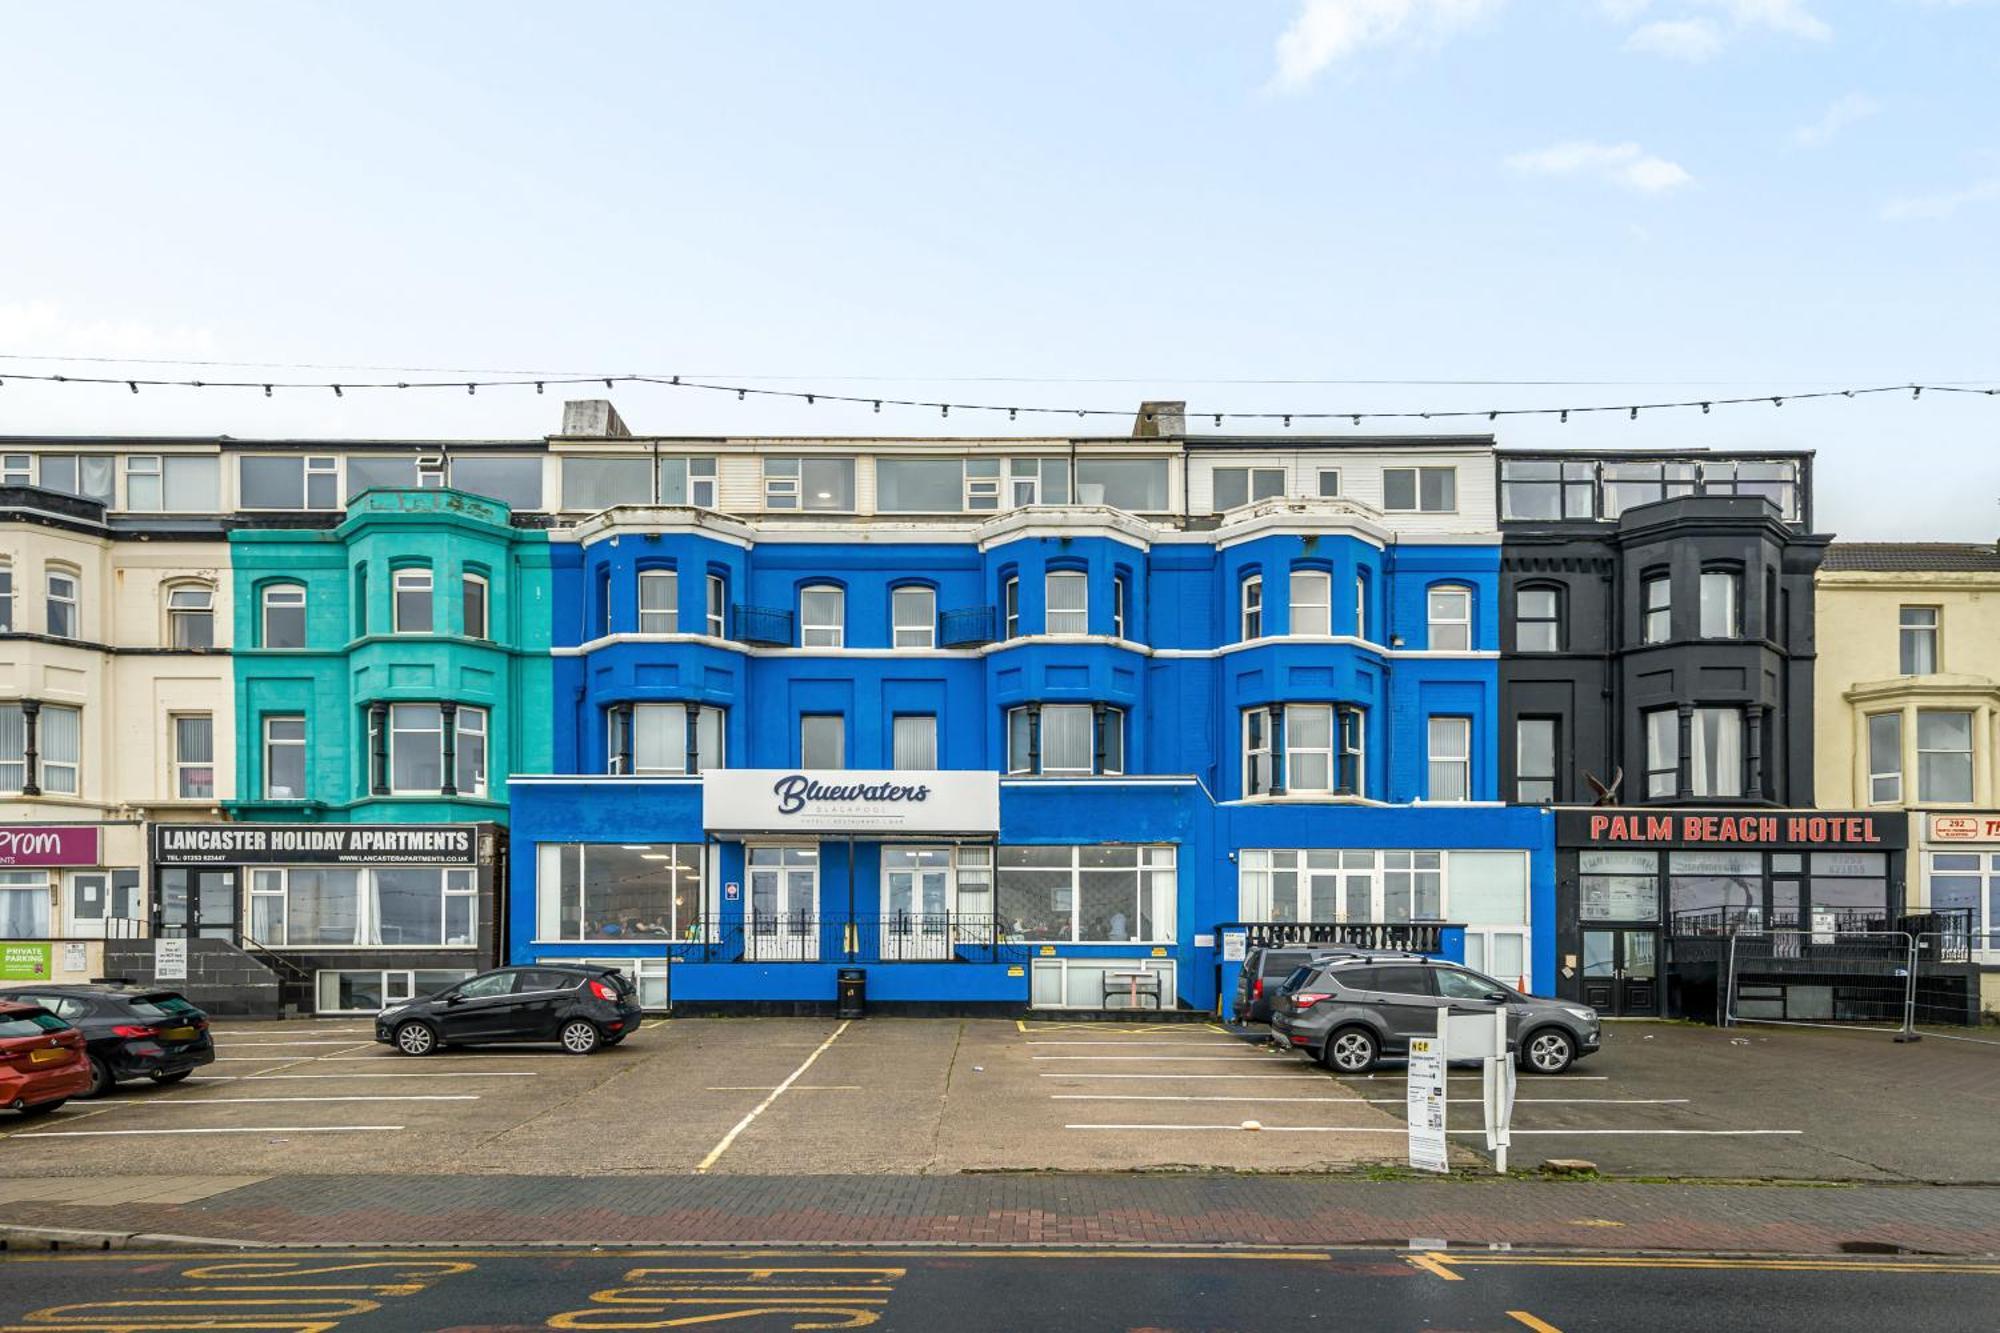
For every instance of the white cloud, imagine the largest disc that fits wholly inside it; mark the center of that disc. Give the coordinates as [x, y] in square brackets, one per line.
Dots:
[44, 329]
[1790, 16]
[1693, 40]
[1938, 207]
[1328, 31]
[1623, 164]
[1847, 111]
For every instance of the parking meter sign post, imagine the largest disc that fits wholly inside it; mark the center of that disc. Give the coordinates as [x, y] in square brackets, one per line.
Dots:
[1425, 1107]
[1497, 1085]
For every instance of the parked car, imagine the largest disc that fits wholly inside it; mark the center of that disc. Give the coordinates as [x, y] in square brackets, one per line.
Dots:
[1350, 1011]
[42, 1060]
[133, 1032]
[578, 1006]
[1265, 969]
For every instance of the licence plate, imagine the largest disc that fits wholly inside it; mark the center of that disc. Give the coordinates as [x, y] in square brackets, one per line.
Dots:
[49, 1057]
[179, 1034]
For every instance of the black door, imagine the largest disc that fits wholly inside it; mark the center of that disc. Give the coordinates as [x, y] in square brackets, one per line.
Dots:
[481, 1009]
[1621, 972]
[196, 904]
[539, 999]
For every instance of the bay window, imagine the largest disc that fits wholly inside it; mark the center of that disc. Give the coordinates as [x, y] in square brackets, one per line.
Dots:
[660, 738]
[1066, 739]
[627, 892]
[13, 748]
[1306, 749]
[1309, 747]
[41, 746]
[1721, 604]
[659, 596]
[718, 599]
[412, 603]
[1944, 756]
[1253, 608]
[1010, 609]
[1715, 759]
[301, 907]
[61, 749]
[1657, 608]
[1097, 894]
[474, 598]
[1663, 753]
[427, 741]
[1067, 598]
[1885, 758]
[63, 620]
[1312, 602]
[6, 596]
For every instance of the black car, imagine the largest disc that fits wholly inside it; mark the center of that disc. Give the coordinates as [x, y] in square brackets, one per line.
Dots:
[1265, 968]
[580, 1007]
[132, 1032]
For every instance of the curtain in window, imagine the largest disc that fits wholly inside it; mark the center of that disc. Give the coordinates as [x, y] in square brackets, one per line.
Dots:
[61, 746]
[13, 748]
[1716, 765]
[1068, 604]
[915, 742]
[24, 906]
[1068, 745]
[194, 743]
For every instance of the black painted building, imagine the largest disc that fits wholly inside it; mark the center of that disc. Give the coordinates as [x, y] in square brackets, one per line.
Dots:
[1657, 651]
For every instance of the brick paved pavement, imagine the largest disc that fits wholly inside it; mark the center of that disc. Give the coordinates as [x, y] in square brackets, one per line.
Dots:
[1058, 1209]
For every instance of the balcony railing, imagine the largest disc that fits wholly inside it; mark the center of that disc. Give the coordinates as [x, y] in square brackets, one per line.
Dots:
[808, 937]
[1388, 936]
[967, 627]
[761, 624]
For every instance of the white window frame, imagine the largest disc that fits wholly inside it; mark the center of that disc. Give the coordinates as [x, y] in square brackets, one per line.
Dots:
[183, 766]
[917, 601]
[467, 580]
[697, 479]
[322, 466]
[1449, 624]
[412, 580]
[1010, 607]
[71, 602]
[821, 632]
[1878, 775]
[1417, 476]
[1072, 615]
[1361, 582]
[272, 743]
[839, 721]
[395, 731]
[1251, 474]
[982, 489]
[1312, 591]
[1320, 487]
[659, 619]
[1448, 749]
[265, 602]
[1670, 770]
[459, 718]
[1155, 872]
[6, 594]
[708, 720]
[896, 727]
[717, 607]
[1663, 609]
[60, 777]
[1258, 719]
[1726, 783]
[1970, 754]
[1725, 586]
[1330, 752]
[1250, 606]
[177, 614]
[1118, 582]
[1919, 629]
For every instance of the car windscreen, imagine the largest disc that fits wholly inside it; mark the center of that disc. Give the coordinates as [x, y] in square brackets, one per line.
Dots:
[1298, 978]
[30, 1025]
[1281, 962]
[164, 1005]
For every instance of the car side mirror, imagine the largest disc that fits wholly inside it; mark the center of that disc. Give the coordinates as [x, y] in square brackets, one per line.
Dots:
[1499, 997]
[454, 998]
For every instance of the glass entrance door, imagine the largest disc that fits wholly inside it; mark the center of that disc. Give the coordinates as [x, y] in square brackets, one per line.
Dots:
[781, 923]
[917, 902]
[200, 903]
[1621, 971]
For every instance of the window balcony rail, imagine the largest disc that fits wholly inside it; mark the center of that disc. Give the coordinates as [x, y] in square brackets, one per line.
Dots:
[968, 627]
[761, 625]
[1387, 936]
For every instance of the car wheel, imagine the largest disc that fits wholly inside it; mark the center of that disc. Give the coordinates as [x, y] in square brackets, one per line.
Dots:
[580, 1036]
[43, 1108]
[416, 1039]
[174, 1077]
[101, 1081]
[1351, 1051]
[1549, 1051]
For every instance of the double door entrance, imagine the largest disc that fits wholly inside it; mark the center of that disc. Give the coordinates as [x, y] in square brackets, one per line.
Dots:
[195, 903]
[781, 922]
[1621, 970]
[919, 916]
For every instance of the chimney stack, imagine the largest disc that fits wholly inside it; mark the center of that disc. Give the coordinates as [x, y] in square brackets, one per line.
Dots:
[1160, 418]
[593, 417]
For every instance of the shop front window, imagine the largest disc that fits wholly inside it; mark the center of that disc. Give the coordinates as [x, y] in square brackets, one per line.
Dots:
[300, 907]
[626, 892]
[24, 904]
[1097, 894]
[1969, 882]
[1618, 886]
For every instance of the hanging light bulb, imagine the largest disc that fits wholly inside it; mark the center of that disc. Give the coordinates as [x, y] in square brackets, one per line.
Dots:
[1565, 416]
[1288, 419]
[336, 392]
[538, 386]
[267, 391]
[1704, 409]
[470, 389]
[133, 385]
[1634, 416]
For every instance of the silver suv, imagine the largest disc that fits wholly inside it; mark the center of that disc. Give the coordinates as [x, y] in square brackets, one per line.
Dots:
[1351, 1011]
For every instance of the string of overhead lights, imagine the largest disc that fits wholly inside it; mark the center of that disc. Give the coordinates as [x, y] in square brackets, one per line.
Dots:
[743, 392]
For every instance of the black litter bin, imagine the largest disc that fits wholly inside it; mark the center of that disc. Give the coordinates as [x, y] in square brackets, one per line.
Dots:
[853, 987]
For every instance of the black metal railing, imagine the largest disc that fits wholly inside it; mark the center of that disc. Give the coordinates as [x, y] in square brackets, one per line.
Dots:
[968, 626]
[761, 624]
[934, 937]
[1695, 922]
[127, 928]
[1388, 936]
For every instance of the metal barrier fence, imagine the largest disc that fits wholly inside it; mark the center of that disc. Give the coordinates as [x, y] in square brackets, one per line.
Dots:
[1868, 980]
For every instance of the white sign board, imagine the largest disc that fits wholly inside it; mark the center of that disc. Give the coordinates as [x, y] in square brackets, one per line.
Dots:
[75, 957]
[170, 960]
[783, 800]
[1234, 944]
[1425, 1108]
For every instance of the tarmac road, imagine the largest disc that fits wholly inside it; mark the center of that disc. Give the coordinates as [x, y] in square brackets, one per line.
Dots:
[977, 1290]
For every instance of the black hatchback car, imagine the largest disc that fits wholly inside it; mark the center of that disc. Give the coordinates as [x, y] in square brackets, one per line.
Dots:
[580, 1007]
[131, 1032]
[1265, 968]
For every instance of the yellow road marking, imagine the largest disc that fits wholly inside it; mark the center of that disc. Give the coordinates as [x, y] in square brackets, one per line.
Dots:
[718, 1253]
[1539, 1325]
[1433, 1264]
[1716, 1263]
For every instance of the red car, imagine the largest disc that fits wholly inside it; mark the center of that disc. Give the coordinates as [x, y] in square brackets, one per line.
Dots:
[42, 1060]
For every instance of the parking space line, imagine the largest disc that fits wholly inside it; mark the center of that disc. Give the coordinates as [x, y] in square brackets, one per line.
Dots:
[186, 1103]
[1269, 1129]
[263, 1129]
[1548, 1101]
[716, 1152]
[466, 1073]
[232, 1044]
[1187, 1097]
[1314, 1078]
[799, 1087]
[1527, 1320]
[1184, 1041]
[1401, 1129]
[1165, 1059]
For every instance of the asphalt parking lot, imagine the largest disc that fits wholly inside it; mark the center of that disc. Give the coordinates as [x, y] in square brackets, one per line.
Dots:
[920, 1096]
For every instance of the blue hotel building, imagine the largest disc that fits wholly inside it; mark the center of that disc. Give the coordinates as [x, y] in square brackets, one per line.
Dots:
[1062, 723]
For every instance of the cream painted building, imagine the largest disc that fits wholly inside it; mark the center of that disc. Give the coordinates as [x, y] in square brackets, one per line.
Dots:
[1908, 712]
[116, 708]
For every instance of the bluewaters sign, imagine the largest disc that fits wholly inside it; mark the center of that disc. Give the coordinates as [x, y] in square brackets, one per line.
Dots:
[781, 800]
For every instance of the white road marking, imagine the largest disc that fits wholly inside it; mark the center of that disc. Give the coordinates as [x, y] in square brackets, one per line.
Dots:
[1401, 1129]
[716, 1152]
[264, 1129]
[1317, 1129]
[1524, 1078]
[1260, 1078]
[1549, 1101]
[1184, 1097]
[1165, 1059]
[233, 1044]
[1185, 1041]
[799, 1087]
[470, 1073]
[185, 1103]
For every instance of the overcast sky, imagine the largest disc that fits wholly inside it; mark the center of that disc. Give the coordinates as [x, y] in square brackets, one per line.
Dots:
[1664, 199]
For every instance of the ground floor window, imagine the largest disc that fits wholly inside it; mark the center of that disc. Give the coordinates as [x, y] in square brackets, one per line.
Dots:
[1969, 882]
[614, 891]
[368, 991]
[25, 900]
[1098, 894]
[1499, 953]
[339, 906]
[1701, 891]
[1102, 983]
[1341, 886]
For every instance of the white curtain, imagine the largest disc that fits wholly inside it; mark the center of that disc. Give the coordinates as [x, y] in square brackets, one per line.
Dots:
[24, 906]
[1716, 766]
[61, 744]
[1068, 597]
[659, 738]
[915, 742]
[1067, 743]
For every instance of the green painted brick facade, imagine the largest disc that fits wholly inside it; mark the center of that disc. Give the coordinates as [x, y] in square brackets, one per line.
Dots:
[353, 658]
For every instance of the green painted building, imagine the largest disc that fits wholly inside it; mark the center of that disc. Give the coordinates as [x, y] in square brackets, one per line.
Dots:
[391, 672]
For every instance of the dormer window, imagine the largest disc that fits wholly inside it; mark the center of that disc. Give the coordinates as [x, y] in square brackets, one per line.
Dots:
[1235, 486]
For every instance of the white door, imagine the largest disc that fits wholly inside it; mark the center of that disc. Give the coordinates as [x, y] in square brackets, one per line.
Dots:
[781, 923]
[917, 898]
[87, 904]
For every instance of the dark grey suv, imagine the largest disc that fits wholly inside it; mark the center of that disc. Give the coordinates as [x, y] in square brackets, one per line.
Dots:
[1350, 1012]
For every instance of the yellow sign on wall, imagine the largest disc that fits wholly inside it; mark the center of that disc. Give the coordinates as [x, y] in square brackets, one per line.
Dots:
[1048, 951]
